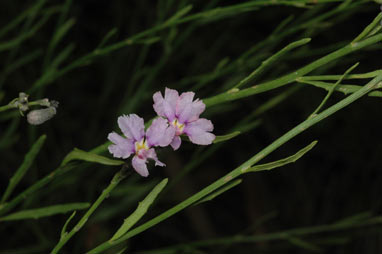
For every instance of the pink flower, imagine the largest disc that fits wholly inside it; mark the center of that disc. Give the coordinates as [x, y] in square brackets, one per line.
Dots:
[183, 115]
[138, 142]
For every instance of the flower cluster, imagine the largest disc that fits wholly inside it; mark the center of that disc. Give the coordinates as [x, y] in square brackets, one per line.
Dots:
[36, 116]
[178, 115]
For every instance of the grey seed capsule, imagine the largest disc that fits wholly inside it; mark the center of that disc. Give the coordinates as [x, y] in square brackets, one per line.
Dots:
[39, 116]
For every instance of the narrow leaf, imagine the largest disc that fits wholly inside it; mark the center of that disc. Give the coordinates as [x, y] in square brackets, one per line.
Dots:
[107, 37]
[369, 28]
[63, 230]
[365, 75]
[345, 89]
[282, 162]
[121, 251]
[226, 137]
[21, 171]
[147, 41]
[78, 154]
[331, 90]
[220, 191]
[62, 56]
[140, 211]
[21, 38]
[60, 33]
[28, 14]
[45, 211]
[354, 219]
[303, 244]
[178, 15]
[27, 58]
[271, 60]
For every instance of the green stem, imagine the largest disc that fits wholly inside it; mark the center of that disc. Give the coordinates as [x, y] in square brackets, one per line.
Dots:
[373, 84]
[6, 107]
[234, 95]
[369, 28]
[332, 89]
[11, 105]
[283, 235]
[41, 183]
[268, 62]
[366, 75]
[105, 193]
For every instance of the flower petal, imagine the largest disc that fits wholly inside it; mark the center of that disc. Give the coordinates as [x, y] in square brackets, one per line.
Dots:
[152, 155]
[183, 106]
[132, 126]
[122, 148]
[166, 107]
[188, 110]
[160, 133]
[175, 144]
[158, 104]
[199, 131]
[140, 166]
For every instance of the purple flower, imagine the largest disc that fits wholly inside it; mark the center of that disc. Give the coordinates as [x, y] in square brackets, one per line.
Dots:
[139, 143]
[183, 115]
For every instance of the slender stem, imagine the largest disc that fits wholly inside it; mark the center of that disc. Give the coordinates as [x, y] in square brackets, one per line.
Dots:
[11, 105]
[268, 62]
[234, 95]
[336, 77]
[283, 235]
[6, 107]
[332, 89]
[369, 28]
[373, 84]
[41, 183]
[105, 193]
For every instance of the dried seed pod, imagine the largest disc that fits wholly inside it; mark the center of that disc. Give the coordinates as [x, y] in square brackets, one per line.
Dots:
[39, 116]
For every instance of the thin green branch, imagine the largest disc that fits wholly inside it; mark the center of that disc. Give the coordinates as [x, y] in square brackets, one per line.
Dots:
[119, 176]
[283, 235]
[22, 170]
[344, 88]
[267, 63]
[367, 75]
[13, 105]
[369, 28]
[289, 78]
[332, 89]
[36, 186]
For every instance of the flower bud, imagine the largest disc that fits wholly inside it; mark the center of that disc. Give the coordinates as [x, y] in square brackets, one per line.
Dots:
[39, 116]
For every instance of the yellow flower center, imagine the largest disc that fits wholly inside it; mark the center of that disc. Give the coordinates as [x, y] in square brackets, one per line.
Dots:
[178, 126]
[141, 147]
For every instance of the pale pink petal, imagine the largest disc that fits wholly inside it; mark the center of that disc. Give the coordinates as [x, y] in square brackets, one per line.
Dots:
[158, 104]
[199, 131]
[183, 106]
[169, 103]
[140, 166]
[160, 133]
[190, 111]
[175, 144]
[132, 126]
[122, 148]
[151, 154]
[166, 106]
[184, 101]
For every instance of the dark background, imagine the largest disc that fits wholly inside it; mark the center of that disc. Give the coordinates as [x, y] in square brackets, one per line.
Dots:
[340, 177]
